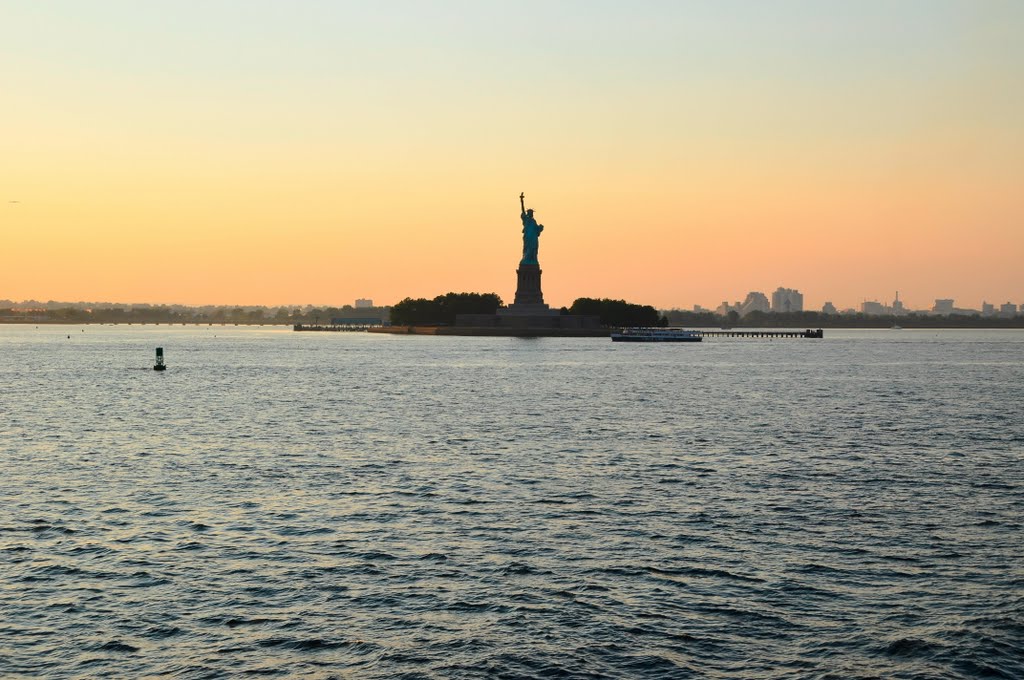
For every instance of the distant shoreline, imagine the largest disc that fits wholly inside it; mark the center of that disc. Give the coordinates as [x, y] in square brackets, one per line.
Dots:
[981, 324]
[7, 322]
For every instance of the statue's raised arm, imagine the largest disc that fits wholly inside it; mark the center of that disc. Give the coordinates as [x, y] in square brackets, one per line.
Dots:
[522, 202]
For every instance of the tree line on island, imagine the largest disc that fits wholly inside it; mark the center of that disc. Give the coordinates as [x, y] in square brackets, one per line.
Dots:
[618, 313]
[444, 309]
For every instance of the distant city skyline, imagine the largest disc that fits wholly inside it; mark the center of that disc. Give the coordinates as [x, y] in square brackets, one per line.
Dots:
[677, 153]
[784, 300]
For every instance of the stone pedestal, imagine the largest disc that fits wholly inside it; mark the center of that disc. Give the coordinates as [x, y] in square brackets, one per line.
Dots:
[529, 300]
[528, 290]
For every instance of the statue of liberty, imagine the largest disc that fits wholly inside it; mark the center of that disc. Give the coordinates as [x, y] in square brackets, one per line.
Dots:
[531, 233]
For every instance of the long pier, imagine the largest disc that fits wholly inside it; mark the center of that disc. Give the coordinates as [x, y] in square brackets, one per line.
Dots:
[808, 333]
[335, 328]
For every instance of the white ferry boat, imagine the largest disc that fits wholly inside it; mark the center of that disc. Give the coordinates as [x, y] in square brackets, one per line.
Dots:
[656, 335]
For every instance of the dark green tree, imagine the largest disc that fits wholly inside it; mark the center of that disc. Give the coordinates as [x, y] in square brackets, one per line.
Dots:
[443, 309]
[618, 313]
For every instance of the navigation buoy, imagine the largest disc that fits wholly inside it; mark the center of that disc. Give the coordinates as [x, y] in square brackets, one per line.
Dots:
[159, 366]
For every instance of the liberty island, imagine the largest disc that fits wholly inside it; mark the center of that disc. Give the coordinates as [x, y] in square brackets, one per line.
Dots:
[528, 315]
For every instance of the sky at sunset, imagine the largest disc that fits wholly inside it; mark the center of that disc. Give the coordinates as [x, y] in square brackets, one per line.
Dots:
[678, 153]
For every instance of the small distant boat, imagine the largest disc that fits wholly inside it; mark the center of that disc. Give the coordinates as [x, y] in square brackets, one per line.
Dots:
[896, 327]
[656, 335]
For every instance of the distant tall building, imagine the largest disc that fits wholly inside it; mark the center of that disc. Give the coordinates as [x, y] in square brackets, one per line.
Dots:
[897, 307]
[363, 304]
[1008, 309]
[829, 308]
[943, 307]
[988, 309]
[872, 308]
[755, 302]
[787, 300]
[725, 308]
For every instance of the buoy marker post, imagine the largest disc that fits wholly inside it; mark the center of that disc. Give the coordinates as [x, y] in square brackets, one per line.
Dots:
[159, 365]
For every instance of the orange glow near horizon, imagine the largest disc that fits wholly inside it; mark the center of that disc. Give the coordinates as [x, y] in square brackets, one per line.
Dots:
[668, 168]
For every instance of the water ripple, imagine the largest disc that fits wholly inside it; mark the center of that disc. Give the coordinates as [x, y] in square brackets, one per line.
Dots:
[281, 504]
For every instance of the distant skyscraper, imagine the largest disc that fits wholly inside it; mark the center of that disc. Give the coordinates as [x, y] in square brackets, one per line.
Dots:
[897, 306]
[988, 309]
[755, 302]
[829, 308]
[1008, 309]
[943, 306]
[363, 304]
[787, 300]
[872, 307]
[725, 308]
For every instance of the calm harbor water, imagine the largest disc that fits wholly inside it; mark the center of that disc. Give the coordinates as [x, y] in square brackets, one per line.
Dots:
[369, 506]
